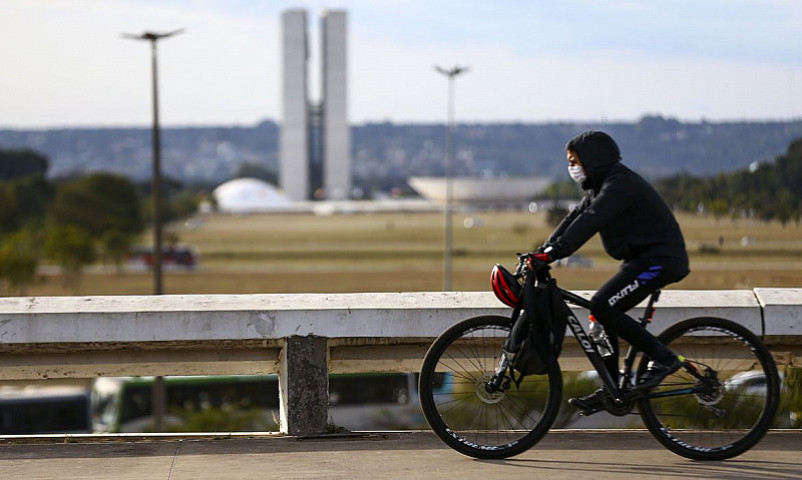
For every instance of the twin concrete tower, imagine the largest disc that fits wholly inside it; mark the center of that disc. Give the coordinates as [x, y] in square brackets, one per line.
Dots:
[315, 143]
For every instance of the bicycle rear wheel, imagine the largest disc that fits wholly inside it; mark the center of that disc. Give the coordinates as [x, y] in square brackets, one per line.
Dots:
[461, 411]
[732, 405]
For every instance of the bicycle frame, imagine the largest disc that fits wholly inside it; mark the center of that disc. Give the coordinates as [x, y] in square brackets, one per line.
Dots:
[616, 389]
[591, 350]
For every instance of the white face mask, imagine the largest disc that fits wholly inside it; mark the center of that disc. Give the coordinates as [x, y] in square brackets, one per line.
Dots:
[577, 173]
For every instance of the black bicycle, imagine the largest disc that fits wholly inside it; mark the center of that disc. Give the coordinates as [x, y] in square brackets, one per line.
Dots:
[707, 410]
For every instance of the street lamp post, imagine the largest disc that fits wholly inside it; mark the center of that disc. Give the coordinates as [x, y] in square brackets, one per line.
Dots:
[159, 395]
[448, 167]
[153, 38]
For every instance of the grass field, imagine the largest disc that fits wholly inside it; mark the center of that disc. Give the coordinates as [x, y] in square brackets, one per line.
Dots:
[292, 253]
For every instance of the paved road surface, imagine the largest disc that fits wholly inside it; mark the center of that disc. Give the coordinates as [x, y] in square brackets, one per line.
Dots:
[561, 455]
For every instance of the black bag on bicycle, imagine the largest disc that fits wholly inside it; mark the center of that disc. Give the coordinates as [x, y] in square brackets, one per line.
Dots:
[536, 337]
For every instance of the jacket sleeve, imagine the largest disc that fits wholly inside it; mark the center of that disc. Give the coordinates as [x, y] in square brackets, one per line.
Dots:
[612, 200]
[568, 219]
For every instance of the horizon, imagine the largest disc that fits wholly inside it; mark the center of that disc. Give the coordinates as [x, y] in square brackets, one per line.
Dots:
[146, 126]
[603, 62]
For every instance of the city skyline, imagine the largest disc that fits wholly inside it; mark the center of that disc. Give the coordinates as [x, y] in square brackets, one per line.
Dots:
[530, 62]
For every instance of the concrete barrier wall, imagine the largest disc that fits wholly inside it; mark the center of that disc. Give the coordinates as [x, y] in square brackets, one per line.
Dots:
[37, 320]
[781, 309]
[79, 337]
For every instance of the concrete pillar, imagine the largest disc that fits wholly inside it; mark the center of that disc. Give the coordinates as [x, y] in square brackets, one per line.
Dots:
[304, 386]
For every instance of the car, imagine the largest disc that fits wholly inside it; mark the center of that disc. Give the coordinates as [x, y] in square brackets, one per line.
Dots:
[753, 382]
[576, 260]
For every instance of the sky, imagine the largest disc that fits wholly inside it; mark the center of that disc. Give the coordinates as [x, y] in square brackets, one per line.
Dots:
[65, 64]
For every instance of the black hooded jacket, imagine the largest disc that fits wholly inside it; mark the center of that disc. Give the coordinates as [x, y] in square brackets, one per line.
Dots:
[629, 215]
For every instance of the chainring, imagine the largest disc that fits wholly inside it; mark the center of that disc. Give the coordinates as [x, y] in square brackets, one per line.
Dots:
[618, 409]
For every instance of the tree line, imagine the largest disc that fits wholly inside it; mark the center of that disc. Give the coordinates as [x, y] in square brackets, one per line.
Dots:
[72, 222]
[386, 154]
[765, 191]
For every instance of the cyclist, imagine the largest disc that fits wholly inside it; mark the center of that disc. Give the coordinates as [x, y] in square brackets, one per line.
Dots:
[637, 227]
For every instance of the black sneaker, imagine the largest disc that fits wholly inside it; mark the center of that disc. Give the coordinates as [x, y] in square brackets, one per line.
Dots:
[656, 372]
[589, 404]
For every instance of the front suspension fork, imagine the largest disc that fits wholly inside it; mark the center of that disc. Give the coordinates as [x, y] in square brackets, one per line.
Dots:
[500, 374]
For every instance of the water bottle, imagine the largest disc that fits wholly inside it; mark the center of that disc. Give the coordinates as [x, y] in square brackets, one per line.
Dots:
[599, 337]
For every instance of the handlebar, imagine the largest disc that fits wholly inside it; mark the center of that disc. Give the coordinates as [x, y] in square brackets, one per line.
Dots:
[532, 262]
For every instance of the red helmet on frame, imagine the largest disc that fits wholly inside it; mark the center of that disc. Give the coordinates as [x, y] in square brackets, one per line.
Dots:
[505, 286]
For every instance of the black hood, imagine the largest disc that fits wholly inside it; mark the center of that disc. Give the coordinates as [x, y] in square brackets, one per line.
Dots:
[597, 151]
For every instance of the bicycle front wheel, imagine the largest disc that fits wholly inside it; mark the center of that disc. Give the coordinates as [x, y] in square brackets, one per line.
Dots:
[475, 421]
[729, 408]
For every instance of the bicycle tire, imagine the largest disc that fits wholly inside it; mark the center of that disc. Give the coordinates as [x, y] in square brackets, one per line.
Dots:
[731, 415]
[459, 409]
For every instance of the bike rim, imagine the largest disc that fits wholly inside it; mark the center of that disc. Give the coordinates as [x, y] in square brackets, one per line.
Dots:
[467, 411]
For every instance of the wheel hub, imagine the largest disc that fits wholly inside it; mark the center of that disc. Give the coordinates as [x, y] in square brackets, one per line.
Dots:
[492, 397]
[709, 391]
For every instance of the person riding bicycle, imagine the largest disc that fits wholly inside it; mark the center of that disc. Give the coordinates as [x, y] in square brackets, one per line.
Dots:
[637, 227]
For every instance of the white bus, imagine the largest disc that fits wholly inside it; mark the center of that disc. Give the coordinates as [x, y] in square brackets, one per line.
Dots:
[374, 401]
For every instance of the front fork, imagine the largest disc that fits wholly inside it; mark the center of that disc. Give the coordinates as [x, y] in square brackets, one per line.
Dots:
[498, 381]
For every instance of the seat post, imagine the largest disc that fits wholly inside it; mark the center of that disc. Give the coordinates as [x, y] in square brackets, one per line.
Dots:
[648, 313]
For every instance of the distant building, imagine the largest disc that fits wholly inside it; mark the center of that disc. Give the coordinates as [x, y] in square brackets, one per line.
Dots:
[480, 191]
[296, 140]
[248, 195]
[336, 137]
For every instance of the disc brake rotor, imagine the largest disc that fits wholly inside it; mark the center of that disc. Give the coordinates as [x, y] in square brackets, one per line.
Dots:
[483, 394]
[710, 391]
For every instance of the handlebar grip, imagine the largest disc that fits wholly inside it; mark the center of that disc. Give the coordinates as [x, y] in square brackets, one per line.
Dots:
[535, 259]
[543, 257]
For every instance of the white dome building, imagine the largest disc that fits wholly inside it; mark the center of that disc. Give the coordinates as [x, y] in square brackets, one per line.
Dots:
[480, 191]
[247, 195]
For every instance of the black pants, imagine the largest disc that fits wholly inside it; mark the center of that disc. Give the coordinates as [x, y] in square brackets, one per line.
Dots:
[635, 281]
